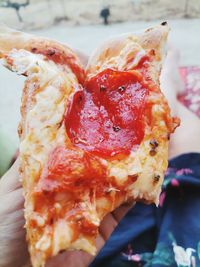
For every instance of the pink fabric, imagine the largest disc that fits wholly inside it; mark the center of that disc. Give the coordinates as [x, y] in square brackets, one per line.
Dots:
[191, 96]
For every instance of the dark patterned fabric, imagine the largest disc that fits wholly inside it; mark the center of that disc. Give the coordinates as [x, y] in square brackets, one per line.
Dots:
[165, 236]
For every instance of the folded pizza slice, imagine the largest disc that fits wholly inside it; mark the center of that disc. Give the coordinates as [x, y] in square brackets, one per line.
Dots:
[90, 139]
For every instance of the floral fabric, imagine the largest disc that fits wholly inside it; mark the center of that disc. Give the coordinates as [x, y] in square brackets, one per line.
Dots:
[165, 236]
[191, 95]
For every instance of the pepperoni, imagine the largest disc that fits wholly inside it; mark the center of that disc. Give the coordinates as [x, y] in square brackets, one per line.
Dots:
[106, 117]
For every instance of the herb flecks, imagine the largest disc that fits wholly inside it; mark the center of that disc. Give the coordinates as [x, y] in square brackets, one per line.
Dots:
[116, 128]
[152, 152]
[121, 88]
[102, 88]
[156, 178]
[51, 52]
[154, 144]
[34, 49]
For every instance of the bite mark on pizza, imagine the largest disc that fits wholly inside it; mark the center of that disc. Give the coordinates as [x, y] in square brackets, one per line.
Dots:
[90, 139]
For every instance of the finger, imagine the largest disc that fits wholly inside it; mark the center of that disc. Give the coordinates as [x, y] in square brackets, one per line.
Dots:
[12, 227]
[75, 258]
[10, 180]
[82, 259]
[12, 232]
[111, 220]
[11, 202]
[71, 259]
[107, 226]
[100, 242]
[121, 211]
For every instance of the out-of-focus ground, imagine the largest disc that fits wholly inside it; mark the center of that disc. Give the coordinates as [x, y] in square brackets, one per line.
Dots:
[184, 35]
[37, 14]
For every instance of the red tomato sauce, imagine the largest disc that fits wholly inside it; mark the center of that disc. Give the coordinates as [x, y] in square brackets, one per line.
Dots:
[71, 170]
[73, 174]
[106, 117]
[59, 56]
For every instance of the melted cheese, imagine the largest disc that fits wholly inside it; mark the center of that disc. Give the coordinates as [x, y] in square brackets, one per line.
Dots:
[48, 89]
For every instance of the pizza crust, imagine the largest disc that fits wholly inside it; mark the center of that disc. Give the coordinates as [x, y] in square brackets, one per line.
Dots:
[50, 84]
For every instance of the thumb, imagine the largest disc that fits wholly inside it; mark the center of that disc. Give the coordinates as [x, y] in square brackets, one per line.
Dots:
[10, 181]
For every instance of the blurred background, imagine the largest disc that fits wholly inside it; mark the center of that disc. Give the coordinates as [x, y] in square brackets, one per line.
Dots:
[84, 24]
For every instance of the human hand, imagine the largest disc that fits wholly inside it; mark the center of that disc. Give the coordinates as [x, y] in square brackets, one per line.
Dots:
[13, 246]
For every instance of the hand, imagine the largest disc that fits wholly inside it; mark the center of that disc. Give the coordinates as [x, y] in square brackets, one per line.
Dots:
[13, 246]
[83, 259]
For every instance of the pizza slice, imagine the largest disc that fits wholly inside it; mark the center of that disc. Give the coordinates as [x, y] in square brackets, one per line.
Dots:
[91, 139]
